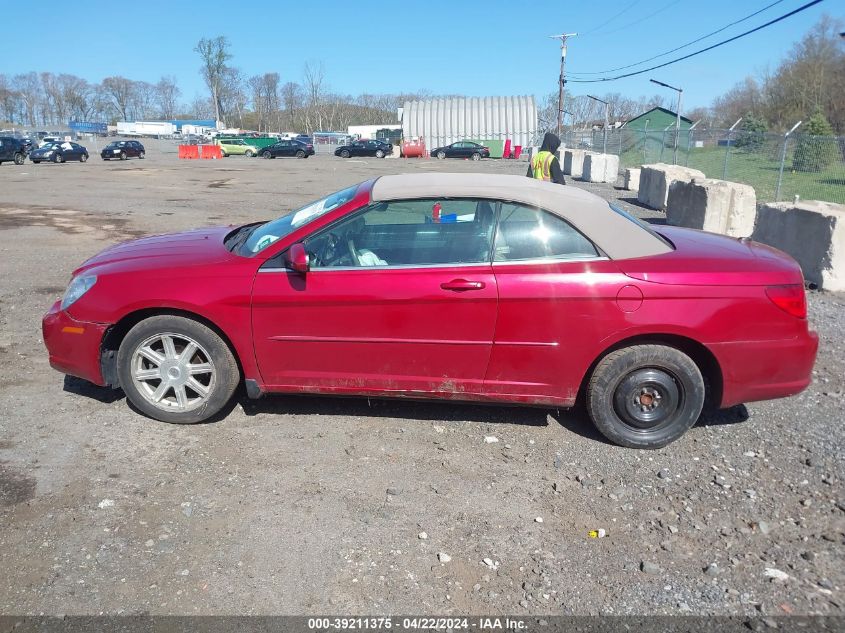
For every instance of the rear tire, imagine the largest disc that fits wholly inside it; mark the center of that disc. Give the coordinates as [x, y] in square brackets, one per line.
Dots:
[58, 158]
[266, 155]
[645, 396]
[300, 154]
[141, 155]
[19, 159]
[211, 368]
[122, 155]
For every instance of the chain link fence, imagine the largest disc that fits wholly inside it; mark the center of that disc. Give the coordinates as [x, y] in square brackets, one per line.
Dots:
[778, 166]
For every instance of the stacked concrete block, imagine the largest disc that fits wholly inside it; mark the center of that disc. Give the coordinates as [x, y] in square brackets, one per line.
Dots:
[573, 162]
[711, 205]
[813, 233]
[600, 168]
[632, 179]
[655, 181]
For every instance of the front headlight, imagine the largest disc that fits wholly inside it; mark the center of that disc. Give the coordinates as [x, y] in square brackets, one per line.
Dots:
[78, 287]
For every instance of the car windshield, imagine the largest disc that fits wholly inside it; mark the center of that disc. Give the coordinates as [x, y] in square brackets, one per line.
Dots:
[268, 233]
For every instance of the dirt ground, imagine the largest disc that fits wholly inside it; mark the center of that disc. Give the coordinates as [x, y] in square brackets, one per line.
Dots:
[297, 505]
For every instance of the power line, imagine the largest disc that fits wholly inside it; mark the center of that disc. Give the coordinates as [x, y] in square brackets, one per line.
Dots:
[642, 19]
[703, 50]
[695, 41]
[606, 22]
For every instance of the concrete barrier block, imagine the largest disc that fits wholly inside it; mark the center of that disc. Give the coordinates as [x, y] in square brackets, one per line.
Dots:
[632, 179]
[655, 180]
[395, 153]
[711, 205]
[573, 162]
[813, 233]
[600, 168]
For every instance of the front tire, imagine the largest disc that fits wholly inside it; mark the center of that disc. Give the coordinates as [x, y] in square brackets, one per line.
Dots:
[344, 153]
[83, 158]
[58, 158]
[645, 396]
[141, 155]
[476, 156]
[248, 153]
[379, 153]
[176, 369]
[122, 155]
[441, 155]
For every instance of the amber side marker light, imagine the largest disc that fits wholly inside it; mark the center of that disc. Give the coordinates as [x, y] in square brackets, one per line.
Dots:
[791, 299]
[73, 330]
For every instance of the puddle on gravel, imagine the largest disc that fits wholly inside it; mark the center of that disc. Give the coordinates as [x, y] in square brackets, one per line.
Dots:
[15, 487]
[67, 221]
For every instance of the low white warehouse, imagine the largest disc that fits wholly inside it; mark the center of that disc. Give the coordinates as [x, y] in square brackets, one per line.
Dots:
[443, 121]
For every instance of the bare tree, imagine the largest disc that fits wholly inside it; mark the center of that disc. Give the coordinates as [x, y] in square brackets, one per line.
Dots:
[214, 53]
[29, 89]
[167, 95]
[119, 90]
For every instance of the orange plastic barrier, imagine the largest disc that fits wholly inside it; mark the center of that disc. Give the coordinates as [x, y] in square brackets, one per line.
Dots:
[210, 151]
[517, 151]
[506, 153]
[189, 151]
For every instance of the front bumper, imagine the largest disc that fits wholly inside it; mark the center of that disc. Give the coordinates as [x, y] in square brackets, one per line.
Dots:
[73, 346]
[764, 370]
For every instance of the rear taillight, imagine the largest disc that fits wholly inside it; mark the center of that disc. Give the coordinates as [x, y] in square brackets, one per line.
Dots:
[790, 299]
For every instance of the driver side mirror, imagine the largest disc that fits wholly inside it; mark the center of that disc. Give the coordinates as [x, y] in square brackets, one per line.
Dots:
[297, 258]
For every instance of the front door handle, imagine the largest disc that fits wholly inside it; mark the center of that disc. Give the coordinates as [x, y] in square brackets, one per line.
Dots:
[460, 285]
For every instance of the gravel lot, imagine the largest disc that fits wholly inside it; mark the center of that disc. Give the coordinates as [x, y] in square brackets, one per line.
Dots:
[306, 505]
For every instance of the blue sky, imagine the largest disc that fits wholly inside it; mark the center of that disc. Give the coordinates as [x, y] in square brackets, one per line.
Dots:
[496, 47]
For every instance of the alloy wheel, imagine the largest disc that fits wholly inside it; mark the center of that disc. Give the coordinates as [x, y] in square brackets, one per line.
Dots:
[173, 372]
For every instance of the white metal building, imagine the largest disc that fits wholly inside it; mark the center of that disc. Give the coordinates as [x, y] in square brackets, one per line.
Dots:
[369, 131]
[443, 121]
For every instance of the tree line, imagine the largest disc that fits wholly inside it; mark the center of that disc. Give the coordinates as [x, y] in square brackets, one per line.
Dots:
[809, 83]
[260, 102]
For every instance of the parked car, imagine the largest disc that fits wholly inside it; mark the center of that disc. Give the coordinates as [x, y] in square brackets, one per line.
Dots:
[12, 150]
[59, 152]
[123, 150]
[474, 287]
[288, 148]
[462, 149]
[236, 146]
[379, 149]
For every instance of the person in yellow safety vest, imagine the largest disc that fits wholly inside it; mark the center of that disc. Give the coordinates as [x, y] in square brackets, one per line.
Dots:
[544, 164]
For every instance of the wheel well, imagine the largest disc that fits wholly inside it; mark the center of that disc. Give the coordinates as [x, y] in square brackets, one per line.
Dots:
[700, 355]
[116, 333]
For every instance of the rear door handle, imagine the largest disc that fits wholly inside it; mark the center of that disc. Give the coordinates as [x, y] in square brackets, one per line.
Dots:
[460, 285]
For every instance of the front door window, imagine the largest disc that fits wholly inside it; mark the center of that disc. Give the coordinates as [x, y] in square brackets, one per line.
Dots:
[427, 232]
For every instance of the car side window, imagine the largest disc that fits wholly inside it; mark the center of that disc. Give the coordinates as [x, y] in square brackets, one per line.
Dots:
[528, 233]
[419, 232]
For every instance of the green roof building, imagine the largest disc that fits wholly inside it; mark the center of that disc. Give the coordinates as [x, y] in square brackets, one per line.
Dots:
[657, 119]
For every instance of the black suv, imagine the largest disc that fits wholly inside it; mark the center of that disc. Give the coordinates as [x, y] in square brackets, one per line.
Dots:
[12, 150]
[122, 150]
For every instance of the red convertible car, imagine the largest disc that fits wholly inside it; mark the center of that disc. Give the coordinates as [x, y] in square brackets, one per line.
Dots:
[453, 286]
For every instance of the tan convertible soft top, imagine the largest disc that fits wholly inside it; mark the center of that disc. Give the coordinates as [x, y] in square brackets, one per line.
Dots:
[614, 234]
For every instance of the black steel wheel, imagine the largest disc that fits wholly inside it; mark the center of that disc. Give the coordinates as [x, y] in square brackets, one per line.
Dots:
[645, 396]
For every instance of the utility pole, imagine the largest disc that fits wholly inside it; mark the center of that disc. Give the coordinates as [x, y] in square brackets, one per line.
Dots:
[561, 80]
